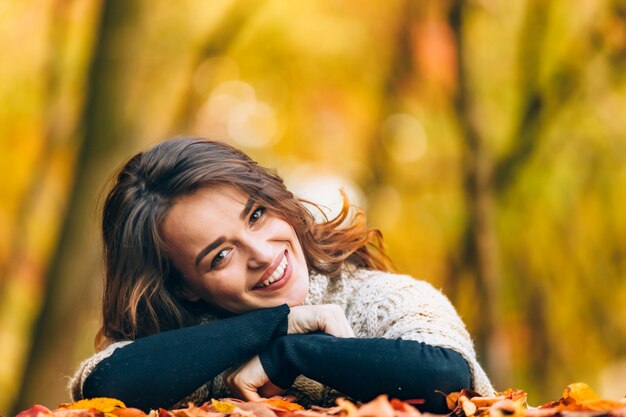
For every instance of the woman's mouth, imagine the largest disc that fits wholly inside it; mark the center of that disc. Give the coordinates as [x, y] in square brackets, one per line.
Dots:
[276, 278]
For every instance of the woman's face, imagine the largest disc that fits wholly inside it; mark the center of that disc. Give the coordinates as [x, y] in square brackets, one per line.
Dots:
[234, 253]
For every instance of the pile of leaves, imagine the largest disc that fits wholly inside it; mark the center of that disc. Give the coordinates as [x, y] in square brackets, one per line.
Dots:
[230, 407]
[578, 400]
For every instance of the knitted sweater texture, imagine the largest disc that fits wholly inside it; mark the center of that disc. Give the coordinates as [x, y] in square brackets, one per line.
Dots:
[376, 304]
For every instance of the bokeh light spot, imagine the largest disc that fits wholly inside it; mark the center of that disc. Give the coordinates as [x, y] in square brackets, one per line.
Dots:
[404, 138]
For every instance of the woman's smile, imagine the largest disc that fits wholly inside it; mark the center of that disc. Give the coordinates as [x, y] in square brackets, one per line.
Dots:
[276, 276]
[233, 252]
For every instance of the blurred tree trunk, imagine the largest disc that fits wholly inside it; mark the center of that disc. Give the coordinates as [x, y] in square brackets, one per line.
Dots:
[140, 81]
[480, 242]
[73, 274]
[394, 85]
[487, 178]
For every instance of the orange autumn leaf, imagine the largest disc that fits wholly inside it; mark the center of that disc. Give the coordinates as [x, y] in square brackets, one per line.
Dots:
[378, 407]
[193, 411]
[578, 400]
[161, 412]
[102, 404]
[128, 412]
[282, 404]
[469, 403]
[452, 400]
[580, 397]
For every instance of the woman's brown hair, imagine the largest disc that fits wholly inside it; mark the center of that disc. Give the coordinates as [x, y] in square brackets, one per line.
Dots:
[139, 296]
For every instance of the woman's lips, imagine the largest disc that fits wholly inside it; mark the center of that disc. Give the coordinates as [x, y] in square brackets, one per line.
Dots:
[282, 280]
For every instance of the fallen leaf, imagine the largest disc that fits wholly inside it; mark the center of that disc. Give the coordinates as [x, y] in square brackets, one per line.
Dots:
[163, 413]
[193, 411]
[452, 400]
[347, 406]
[34, 411]
[254, 409]
[405, 409]
[542, 412]
[280, 404]
[128, 412]
[81, 412]
[104, 404]
[580, 392]
[580, 397]
[222, 406]
[507, 407]
[469, 408]
[378, 407]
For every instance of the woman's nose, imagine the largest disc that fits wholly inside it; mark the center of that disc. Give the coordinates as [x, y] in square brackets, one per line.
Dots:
[260, 254]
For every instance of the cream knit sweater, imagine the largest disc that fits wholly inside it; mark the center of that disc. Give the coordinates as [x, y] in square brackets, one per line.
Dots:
[377, 304]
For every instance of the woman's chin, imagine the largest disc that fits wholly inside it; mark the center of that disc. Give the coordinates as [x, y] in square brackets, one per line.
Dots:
[298, 298]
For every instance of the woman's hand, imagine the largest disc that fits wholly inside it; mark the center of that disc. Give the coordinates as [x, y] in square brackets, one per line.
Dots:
[250, 382]
[328, 318]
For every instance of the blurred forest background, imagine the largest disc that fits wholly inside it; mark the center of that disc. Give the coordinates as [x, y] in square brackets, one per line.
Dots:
[485, 138]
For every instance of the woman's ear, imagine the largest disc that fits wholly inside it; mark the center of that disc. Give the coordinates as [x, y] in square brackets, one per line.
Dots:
[186, 293]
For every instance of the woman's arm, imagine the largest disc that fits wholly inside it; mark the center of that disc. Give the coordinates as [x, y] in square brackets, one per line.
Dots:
[398, 306]
[364, 368]
[164, 368]
[161, 369]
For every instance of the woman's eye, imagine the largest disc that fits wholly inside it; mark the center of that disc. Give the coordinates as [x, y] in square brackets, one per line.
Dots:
[219, 258]
[257, 214]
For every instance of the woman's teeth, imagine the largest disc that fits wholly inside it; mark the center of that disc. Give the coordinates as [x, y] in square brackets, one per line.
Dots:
[277, 274]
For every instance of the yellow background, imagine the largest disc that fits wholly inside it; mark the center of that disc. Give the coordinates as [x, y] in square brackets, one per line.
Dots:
[485, 138]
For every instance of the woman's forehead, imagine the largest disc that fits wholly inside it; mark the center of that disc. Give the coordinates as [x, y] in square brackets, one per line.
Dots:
[210, 211]
[207, 206]
[215, 195]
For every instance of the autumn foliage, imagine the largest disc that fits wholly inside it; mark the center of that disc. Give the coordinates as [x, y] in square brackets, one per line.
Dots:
[578, 400]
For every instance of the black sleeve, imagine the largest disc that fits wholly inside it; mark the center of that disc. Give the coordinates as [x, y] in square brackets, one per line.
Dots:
[365, 368]
[160, 370]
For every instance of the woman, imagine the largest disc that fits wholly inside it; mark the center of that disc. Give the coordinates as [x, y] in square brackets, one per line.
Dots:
[220, 283]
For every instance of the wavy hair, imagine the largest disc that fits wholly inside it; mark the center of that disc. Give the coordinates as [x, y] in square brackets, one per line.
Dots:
[139, 295]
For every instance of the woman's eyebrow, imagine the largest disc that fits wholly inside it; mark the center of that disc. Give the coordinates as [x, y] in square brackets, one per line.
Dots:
[209, 248]
[222, 239]
[247, 208]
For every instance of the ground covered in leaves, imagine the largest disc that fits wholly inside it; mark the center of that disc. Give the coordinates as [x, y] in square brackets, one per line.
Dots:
[578, 400]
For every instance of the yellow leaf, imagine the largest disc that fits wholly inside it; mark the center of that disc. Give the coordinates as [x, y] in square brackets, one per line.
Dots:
[104, 404]
[222, 406]
[579, 392]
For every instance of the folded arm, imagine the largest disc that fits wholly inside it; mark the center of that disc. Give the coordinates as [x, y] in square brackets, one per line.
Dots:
[364, 368]
[161, 369]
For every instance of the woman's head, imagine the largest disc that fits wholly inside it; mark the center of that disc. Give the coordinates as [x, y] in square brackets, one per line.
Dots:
[192, 223]
[233, 252]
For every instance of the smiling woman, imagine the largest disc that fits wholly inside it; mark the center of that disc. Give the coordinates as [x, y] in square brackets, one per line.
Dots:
[219, 282]
[254, 259]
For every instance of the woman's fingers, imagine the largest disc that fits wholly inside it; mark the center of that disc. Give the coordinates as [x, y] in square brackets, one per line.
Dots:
[269, 390]
[249, 381]
[245, 381]
[250, 395]
[335, 322]
[329, 318]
